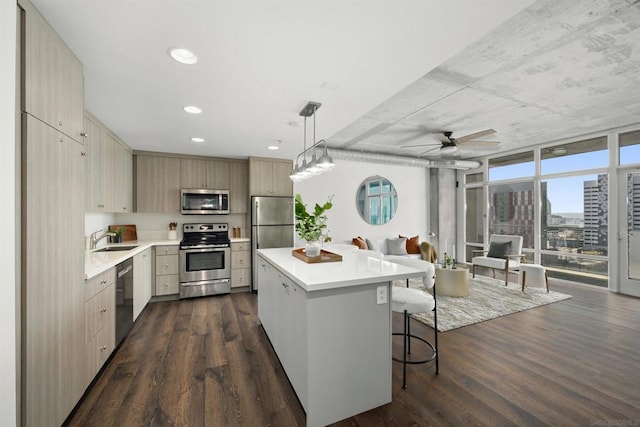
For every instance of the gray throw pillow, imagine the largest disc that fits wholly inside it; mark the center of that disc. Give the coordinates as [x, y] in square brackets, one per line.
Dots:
[397, 246]
[372, 246]
[499, 250]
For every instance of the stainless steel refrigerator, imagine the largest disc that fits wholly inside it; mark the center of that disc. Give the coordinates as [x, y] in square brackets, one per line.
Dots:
[272, 226]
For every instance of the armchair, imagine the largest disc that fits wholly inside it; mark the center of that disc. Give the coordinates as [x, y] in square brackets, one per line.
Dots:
[505, 253]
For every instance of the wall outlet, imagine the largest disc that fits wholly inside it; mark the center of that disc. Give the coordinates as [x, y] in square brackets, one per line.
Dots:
[381, 294]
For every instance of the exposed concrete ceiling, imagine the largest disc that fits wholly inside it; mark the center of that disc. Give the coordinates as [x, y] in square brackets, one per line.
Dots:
[556, 70]
[259, 63]
[387, 73]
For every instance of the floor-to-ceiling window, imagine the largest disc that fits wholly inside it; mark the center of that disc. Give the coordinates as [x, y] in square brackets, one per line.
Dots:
[557, 198]
[575, 235]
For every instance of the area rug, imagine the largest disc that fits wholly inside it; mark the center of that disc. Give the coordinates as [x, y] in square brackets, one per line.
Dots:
[488, 299]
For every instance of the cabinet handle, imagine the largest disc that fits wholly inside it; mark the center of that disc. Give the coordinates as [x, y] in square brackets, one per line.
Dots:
[166, 285]
[84, 154]
[103, 348]
[59, 122]
[103, 310]
[124, 208]
[285, 286]
[84, 134]
[60, 139]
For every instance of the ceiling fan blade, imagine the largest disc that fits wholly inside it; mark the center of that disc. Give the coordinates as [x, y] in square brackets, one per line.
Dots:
[435, 144]
[475, 135]
[429, 150]
[480, 143]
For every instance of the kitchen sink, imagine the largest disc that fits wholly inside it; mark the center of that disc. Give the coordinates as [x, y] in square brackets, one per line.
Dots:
[116, 248]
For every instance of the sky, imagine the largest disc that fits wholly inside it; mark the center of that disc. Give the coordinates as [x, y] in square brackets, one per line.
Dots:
[566, 194]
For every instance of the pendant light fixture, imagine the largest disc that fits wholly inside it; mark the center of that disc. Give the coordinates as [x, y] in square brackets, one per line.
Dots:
[316, 165]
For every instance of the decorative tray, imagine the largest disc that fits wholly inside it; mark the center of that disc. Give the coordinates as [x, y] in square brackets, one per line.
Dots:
[325, 256]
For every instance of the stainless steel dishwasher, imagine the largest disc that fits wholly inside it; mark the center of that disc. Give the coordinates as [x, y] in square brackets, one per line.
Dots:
[124, 299]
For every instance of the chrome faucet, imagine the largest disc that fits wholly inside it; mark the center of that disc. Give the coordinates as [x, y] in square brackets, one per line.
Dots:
[93, 240]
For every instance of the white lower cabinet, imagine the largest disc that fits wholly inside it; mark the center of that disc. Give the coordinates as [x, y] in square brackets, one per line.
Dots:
[166, 270]
[282, 312]
[99, 311]
[141, 281]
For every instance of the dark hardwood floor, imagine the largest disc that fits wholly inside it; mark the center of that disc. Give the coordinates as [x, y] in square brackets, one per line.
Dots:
[207, 362]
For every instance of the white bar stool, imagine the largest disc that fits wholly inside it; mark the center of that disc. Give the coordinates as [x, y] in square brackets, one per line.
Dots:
[533, 274]
[410, 301]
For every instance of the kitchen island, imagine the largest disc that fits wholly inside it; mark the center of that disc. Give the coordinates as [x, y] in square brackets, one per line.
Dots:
[330, 325]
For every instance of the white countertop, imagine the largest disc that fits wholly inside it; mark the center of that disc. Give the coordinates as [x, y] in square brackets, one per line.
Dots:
[98, 262]
[354, 269]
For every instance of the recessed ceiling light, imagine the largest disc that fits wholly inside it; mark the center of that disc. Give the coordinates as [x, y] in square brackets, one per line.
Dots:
[197, 139]
[183, 56]
[192, 109]
[275, 146]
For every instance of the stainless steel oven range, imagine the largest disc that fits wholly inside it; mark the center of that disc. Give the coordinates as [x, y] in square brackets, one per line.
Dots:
[205, 260]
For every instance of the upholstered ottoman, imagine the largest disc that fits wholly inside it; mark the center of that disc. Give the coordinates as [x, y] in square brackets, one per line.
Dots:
[452, 282]
[533, 274]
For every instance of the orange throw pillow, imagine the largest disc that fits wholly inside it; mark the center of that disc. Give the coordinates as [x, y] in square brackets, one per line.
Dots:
[413, 244]
[359, 242]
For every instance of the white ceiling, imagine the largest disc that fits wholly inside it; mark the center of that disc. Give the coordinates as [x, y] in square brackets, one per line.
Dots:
[261, 61]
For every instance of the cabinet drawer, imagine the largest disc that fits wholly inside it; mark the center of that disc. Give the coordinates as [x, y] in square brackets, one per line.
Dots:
[167, 250]
[96, 284]
[167, 285]
[166, 264]
[241, 246]
[240, 277]
[240, 260]
[99, 312]
[97, 351]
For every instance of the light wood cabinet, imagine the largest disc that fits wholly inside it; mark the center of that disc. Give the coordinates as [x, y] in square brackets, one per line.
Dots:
[157, 187]
[240, 264]
[196, 173]
[94, 145]
[238, 187]
[166, 270]
[270, 177]
[53, 316]
[141, 281]
[99, 309]
[110, 174]
[53, 77]
[120, 178]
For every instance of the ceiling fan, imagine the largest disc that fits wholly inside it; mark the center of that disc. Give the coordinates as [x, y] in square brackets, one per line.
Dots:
[449, 145]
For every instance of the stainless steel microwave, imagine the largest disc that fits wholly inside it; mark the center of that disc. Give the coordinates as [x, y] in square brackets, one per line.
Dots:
[203, 201]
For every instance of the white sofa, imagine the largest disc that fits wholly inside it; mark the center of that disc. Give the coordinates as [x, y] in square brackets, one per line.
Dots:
[380, 245]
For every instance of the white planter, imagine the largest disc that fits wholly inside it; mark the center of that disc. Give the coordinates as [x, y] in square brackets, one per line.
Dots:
[312, 248]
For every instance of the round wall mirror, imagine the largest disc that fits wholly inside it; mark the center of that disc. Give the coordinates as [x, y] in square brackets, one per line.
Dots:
[377, 200]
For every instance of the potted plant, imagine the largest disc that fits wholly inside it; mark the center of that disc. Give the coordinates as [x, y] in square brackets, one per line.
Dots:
[118, 235]
[310, 226]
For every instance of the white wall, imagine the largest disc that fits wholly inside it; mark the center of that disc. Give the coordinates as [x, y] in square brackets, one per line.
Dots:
[9, 216]
[344, 221]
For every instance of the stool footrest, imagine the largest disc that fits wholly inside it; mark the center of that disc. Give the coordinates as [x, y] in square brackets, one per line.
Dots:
[417, 362]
